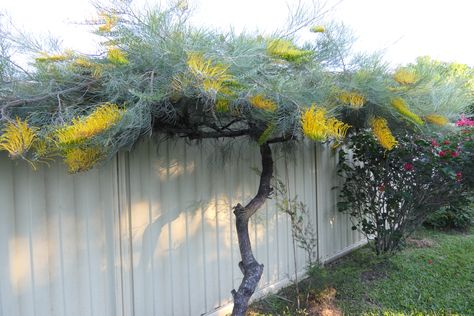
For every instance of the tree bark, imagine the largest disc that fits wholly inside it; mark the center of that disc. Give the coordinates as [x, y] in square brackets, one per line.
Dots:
[249, 266]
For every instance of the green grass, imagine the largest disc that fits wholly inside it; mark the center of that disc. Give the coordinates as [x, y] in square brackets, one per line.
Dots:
[436, 280]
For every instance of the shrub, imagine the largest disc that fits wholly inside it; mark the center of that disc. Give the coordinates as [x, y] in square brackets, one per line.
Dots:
[451, 217]
[458, 214]
[390, 193]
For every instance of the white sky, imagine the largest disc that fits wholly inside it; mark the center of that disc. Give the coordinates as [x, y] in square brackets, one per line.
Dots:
[404, 29]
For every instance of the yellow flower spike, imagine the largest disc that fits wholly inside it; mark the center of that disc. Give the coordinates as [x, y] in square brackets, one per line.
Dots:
[436, 119]
[353, 99]
[94, 68]
[17, 138]
[260, 102]
[54, 58]
[286, 50]
[313, 122]
[110, 22]
[400, 105]
[405, 76]
[212, 76]
[318, 29]
[116, 56]
[82, 159]
[382, 133]
[336, 128]
[98, 121]
[210, 85]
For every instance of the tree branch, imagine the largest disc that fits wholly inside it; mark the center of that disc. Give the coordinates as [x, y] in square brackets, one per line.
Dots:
[47, 96]
[249, 266]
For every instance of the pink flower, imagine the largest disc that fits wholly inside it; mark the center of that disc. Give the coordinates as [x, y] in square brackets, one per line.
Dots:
[464, 121]
[408, 166]
[454, 154]
[442, 153]
[458, 176]
[446, 142]
[434, 143]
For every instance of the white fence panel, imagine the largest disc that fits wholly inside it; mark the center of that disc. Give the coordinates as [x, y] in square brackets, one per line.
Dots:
[152, 232]
[57, 241]
[334, 228]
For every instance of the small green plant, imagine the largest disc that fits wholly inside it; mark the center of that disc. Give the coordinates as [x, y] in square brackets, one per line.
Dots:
[302, 231]
[460, 218]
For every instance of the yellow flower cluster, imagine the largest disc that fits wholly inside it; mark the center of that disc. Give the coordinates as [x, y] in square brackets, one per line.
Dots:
[17, 138]
[260, 102]
[317, 29]
[110, 22]
[212, 76]
[400, 105]
[286, 50]
[98, 121]
[54, 58]
[95, 69]
[81, 159]
[436, 119]
[353, 99]
[382, 133]
[318, 128]
[116, 56]
[405, 76]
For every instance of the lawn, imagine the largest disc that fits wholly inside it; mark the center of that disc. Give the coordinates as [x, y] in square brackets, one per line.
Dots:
[433, 275]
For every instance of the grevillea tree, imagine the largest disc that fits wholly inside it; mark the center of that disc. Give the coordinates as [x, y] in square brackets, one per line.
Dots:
[157, 73]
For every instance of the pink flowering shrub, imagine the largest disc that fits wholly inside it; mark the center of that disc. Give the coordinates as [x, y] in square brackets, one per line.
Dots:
[389, 194]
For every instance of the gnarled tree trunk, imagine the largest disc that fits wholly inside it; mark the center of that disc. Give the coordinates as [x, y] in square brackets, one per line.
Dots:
[249, 266]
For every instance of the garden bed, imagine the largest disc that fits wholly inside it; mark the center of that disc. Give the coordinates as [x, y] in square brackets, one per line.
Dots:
[433, 275]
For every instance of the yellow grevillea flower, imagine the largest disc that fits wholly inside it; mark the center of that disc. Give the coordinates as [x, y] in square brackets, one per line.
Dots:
[353, 99]
[98, 121]
[110, 22]
[260, 102]
[81, 159]
[405, 76]
[313, 122]
[55, 58]
[382, 133]
[17, 138]
[317, 29]
[94, 68]
[116, 56]
[400, 105]
[212, 76]
[210, 85]
[318, 128]
[336, 128]
[286, 50]
[436, 119]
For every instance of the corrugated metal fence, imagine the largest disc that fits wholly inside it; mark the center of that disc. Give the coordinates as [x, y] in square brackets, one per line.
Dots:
[152, 232]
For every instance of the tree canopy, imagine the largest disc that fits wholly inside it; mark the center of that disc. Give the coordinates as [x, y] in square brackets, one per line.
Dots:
[158, 73]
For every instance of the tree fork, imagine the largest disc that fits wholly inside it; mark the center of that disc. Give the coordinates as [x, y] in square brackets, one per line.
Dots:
[249, 266]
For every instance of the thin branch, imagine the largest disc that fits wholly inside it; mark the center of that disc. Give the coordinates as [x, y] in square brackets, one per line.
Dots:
[197, 134]
[47, 96]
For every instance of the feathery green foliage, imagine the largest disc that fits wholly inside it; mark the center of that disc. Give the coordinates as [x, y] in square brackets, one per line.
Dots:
[169, 77]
